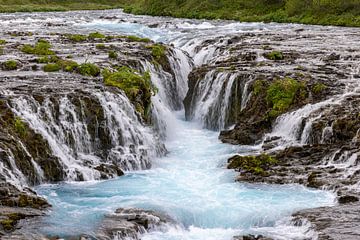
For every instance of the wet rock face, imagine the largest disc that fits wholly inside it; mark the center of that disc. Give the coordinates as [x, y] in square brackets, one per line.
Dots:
[339, 222]
[131, 223]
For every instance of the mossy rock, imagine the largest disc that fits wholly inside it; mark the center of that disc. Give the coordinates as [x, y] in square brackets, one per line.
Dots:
[42, 47]
[96, 35]
[257, 165]
[138, 39]
[76, 37]
[88, 69]
[10, 65]
[274, 55]
[113, 55]
[52, 67]
[137, 87]
[2, 42]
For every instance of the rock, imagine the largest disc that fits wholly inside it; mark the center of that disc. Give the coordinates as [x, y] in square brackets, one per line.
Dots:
[347, 199]
[251, 237]
[131, 223]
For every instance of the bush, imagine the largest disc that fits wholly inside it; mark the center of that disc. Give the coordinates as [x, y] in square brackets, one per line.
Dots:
[88, 69]
[52, 67]
[10, 65]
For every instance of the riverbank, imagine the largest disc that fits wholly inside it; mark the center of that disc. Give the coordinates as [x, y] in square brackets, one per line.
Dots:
[281, 11]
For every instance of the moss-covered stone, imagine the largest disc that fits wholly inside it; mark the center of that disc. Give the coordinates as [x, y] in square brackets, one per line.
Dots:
[2, 42]
[76, 37]
[256, 165]
[96, 35]
[88, 69]
[10, 65]
[20, 127]
[280, 95]
[113, 55]
[42, 47]
[100, 46]
[274, 55]
[52, 67]
[138, 39]
[137, 87]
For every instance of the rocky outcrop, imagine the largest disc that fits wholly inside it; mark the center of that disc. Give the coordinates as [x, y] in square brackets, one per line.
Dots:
[131, 223]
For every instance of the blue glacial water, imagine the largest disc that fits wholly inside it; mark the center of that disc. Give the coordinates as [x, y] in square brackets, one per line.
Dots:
[191, 185]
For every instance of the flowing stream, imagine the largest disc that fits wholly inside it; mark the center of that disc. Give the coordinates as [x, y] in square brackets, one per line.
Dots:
[191, 184]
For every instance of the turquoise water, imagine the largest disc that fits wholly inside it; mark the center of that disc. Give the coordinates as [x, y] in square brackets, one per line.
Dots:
[191, 185]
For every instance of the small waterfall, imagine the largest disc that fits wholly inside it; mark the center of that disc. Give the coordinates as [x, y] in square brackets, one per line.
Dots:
[81, 140]
[216, 99]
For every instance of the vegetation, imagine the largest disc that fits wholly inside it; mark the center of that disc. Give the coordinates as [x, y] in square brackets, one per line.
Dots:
[88, 69]
[10, 65]
[137, 87]
[100, 46]
[318, 88]
[77, 37]
[2, 42]
[323, 12]
[42, 47]
[52, 67]
[274, 55]
[96, 35]
[256, 165]
[281, 94]
[113, 55]
[138, 39]
[20, 127]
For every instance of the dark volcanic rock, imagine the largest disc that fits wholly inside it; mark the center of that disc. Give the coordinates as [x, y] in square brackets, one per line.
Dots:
[131, 223]
[252, 237]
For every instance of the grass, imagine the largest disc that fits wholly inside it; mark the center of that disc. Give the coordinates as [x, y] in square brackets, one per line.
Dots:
[52, 67]
[20, 127]
[322, 12]
[2, 42]
[113, 55]
[138, 39]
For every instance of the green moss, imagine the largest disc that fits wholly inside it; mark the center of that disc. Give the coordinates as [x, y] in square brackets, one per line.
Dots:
[77, 37]
[52, 67]
[20, 127]
[48, 59]
[1, 50]
[88, 69]
[137, 87]
[318, 88]
[258, 87]
[2, 42]
[274, 55]
[42, 47]
[10, 65]
[281, 94]
[138, 39]
[158, 51]
[256, 165]
[8, 224]
[68, 65]
[113, 55]
[96, 35]
[100, 46]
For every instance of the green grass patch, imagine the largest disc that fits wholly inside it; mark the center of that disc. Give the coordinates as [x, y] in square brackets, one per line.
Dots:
[113, 55]
[138, 39]
[42, 47]
[281, 94]
[318, 88]
[158, 51]
[137, 87]
[20, 127]
[100, 46]
[52, 67]
[2, 42]
[77, 37]
[88, 69]
[10, 65]
[274, 55]
[256, 165]
[96, 35]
